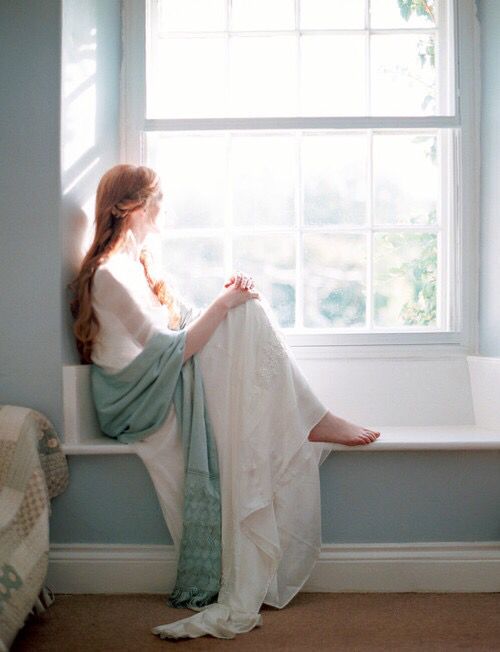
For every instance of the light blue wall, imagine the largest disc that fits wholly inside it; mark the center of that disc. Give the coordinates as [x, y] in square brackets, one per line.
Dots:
[30, 258]
[366, 497]
[489, 297]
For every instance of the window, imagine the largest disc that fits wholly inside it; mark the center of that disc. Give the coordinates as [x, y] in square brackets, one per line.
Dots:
[315, 144]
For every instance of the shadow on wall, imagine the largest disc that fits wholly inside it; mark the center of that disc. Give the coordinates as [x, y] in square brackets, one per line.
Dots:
[91, 55]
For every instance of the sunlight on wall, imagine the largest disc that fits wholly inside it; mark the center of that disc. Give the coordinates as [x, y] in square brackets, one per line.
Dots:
[88, 235]
[79, 147]
[79, 93]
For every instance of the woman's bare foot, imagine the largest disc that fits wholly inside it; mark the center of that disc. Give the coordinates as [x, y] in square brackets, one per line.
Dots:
[335, 430]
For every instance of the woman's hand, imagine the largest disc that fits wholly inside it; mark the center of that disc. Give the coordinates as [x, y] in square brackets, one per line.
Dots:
[240, 280]
[237, 290]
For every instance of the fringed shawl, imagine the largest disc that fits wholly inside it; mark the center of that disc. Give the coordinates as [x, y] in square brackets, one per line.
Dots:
[133, 403]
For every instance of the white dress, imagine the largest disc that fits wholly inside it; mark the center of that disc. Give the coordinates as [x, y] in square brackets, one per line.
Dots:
[262, 410]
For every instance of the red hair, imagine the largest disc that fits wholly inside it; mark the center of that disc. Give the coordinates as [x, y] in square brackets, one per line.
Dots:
[122, 189]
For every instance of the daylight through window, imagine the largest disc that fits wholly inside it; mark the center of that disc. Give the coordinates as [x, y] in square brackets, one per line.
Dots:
[310, 143]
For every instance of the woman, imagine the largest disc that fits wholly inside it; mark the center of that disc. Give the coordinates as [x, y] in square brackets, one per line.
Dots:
[263, 412]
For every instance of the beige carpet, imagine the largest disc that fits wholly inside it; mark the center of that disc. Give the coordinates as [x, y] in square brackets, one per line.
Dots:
[311, 621]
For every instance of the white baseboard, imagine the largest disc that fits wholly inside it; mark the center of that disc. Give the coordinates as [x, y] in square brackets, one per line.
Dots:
[466, 567]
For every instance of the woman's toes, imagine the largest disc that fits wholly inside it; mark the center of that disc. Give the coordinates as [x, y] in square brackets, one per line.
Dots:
[368, 435]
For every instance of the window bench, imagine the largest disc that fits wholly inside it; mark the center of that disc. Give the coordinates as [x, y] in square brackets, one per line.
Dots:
[82, 435]
[466, 437]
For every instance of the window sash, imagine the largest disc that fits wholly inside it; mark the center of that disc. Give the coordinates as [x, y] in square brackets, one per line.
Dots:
[134, 125]
[443, 228]
[445, 31]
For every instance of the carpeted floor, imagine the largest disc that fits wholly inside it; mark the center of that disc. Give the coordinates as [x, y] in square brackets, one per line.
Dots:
[311, 621]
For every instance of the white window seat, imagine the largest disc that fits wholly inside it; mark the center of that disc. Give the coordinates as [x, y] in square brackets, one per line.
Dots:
[460, 437]
[482, 377]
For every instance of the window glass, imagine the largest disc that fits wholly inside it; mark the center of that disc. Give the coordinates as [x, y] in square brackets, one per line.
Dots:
[311, 144]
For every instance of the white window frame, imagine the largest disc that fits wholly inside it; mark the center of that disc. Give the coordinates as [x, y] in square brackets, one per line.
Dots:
[462, 267]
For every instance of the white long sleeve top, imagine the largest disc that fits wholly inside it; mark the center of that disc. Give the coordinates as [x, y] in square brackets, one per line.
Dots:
[128, 311]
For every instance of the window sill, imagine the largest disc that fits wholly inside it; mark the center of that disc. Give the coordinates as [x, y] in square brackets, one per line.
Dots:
[400, 438]
[453, 342]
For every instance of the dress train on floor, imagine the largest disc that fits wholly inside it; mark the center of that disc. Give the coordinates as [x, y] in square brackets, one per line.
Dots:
[262, 410]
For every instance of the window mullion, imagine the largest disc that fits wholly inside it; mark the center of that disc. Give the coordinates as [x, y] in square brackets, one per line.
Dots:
[299, 243]
[368, 80]
[442, 235]
[289, 230]
[301, 122]
[228, 216]
[369, 174]
[457, 228]
[228, 55]
[369, 235]
[299, 56]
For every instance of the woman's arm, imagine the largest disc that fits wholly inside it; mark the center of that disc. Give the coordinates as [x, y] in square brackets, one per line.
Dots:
[200, 330]
[111, 294]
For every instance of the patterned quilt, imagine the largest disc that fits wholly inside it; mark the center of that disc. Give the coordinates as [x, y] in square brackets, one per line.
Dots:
[33, 469]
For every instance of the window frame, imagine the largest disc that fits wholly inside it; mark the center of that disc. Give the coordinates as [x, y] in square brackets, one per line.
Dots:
[463, 214]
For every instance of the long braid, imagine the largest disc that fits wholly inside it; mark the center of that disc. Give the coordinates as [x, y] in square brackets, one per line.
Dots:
[159, 288]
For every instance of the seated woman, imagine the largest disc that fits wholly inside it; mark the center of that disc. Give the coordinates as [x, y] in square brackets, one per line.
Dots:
[269, 428]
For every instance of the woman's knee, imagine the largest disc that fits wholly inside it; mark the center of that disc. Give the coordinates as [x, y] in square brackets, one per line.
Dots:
[256, 312]
[255, 309]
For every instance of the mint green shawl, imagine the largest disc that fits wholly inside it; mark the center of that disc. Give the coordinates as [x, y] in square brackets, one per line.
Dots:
[132, 404]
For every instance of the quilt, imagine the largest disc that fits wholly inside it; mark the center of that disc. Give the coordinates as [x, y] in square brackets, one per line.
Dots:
[33, 469]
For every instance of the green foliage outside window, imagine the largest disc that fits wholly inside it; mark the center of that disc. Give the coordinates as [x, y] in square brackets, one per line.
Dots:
[419, 7]
[421, 272]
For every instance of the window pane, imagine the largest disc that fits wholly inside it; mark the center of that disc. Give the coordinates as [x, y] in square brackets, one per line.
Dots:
[334, 280]
[262, 15]
[404, 279]
[244, 74]
[195, 267]
[270, 260]
[188, 78]
[334, 178]
[192, 15]
[193, 176]
[332, 14]
[263, 75]
[333, 75]
[403, 74]
[387, 14]
[257, 188]
[405, 179]
[263, 173]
